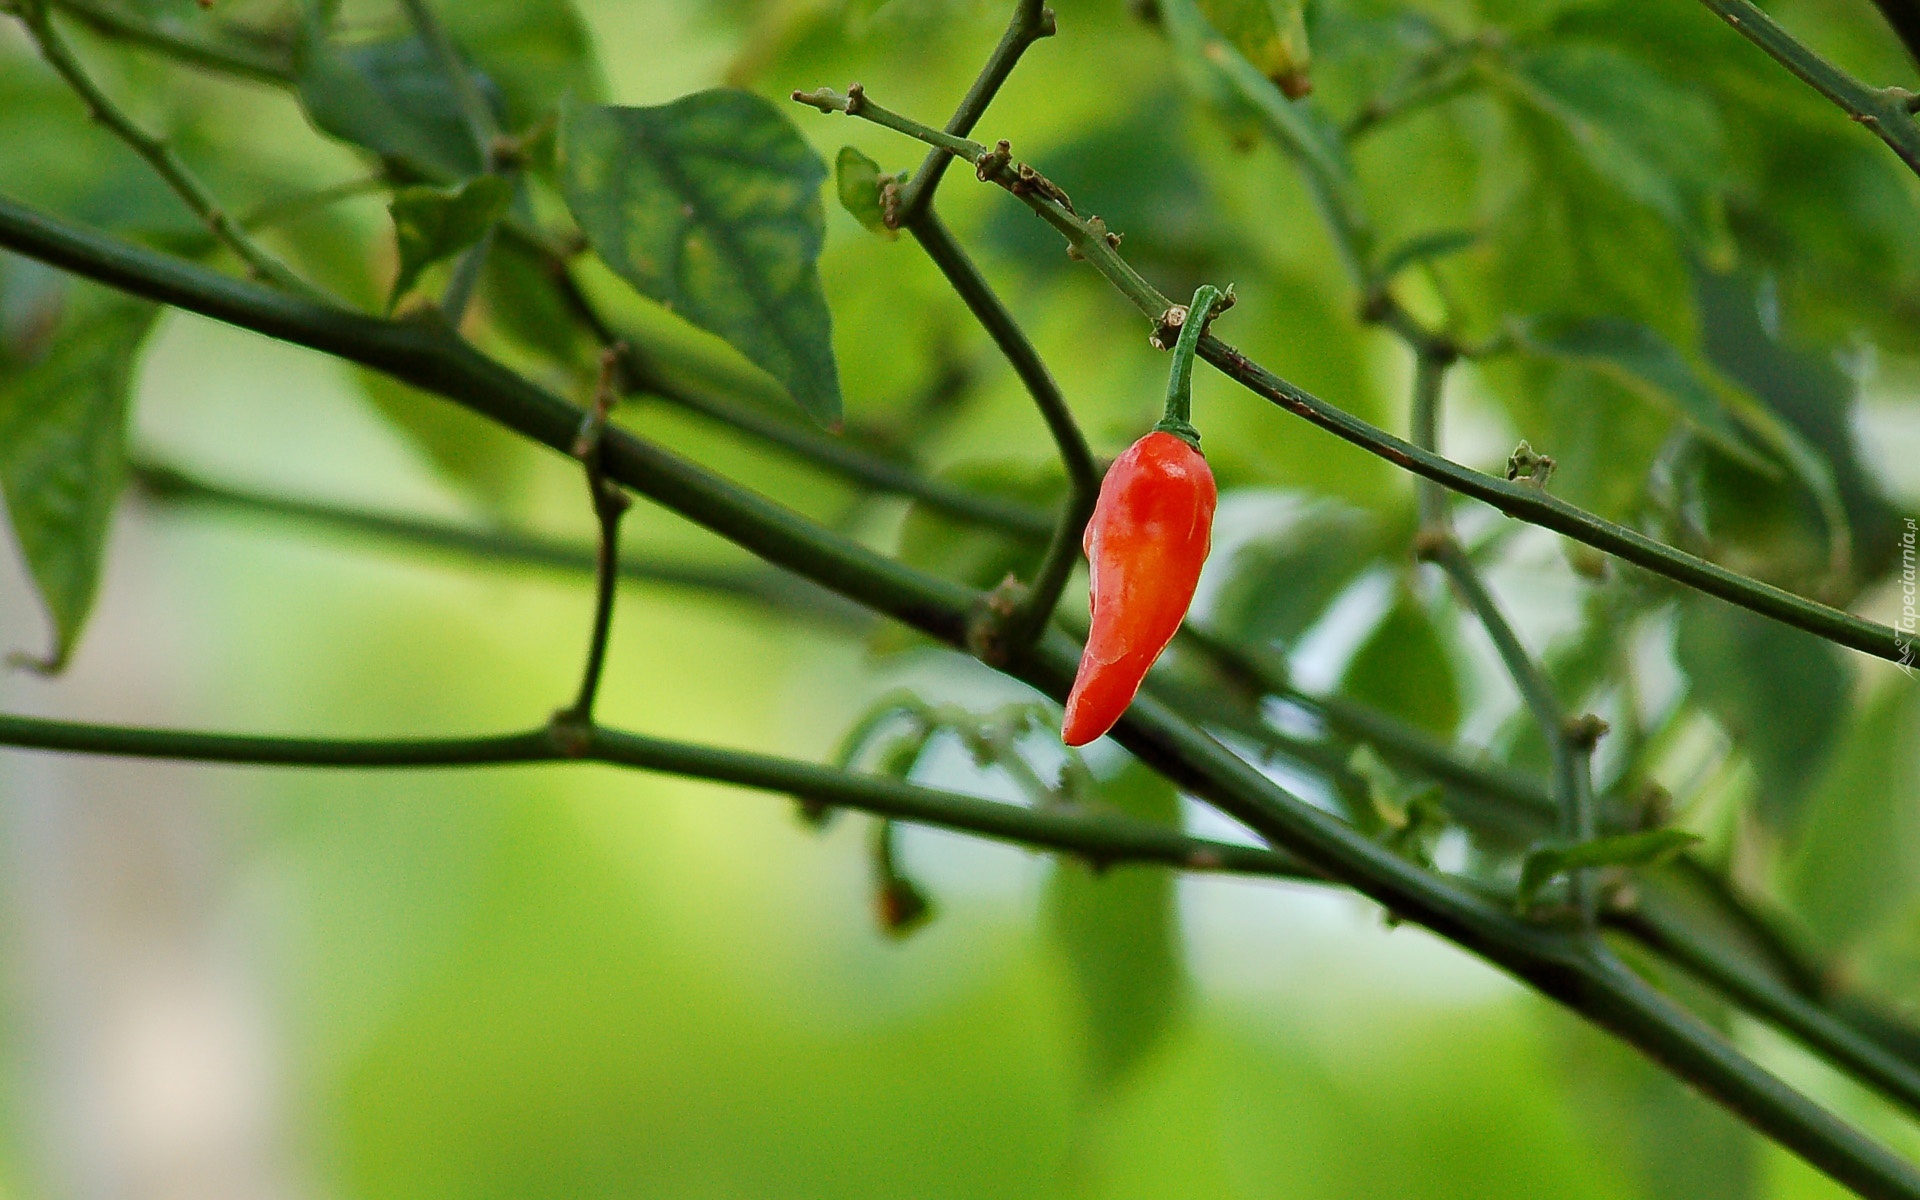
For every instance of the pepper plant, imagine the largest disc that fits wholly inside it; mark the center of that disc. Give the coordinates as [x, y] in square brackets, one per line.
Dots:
[1658, 241]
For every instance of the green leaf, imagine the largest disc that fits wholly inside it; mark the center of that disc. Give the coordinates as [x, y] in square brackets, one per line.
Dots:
[1271, 34]
[537, 52]
[1404, 668]
[487, 463]
[1425, 249]
[1780, 694]
[1279, 585]
[971, 553]
[1651, 138]
[1140, 173]
[431, 224]
[859, 181]
[711, 206]
[1222, 74]
[390, 97]
[1639, 359]
[1119, 933]
[1856, 863]
[1668, 1141]
[63, 457]
[522, 300]
[1545, 863]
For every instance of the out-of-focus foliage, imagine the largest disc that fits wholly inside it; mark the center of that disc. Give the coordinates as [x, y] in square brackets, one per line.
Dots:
[1692, 261]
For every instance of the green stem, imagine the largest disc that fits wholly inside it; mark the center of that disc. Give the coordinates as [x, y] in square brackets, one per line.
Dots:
[1572, 782]
[1561, 967]
[38, 21]
[1030, 616]
[1099, 836]
[1178, 418]
[1888, 112]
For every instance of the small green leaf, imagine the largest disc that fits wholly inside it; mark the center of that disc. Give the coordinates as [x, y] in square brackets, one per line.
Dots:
[1405, 669]
[1272, 34]
[431, 224]
[391, 98]
[711, 206]
[860, 181]
[1545, 863]
[1639, 359]
[63, 457]
[1119, 933]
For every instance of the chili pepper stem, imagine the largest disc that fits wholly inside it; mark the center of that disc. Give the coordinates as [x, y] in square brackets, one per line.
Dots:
[1178, 420]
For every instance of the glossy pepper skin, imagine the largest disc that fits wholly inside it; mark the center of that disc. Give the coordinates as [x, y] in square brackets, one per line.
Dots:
[1150, 533]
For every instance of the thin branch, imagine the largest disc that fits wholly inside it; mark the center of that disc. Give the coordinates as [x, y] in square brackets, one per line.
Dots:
[609, 505]
[1532, 504]
[870, 470]
[38, 21]
[1035, 609]
[781, 593]
[1888, 111]
[262, 63]
[1560, 966]
[1436, 543]
[1031, 21]
[1097, 835]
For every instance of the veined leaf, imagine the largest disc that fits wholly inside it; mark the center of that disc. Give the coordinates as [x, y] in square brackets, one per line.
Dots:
[1638, 358]
[63, 457]
[431, 224]
[711, 206]
[1545, 863]
[391, 98]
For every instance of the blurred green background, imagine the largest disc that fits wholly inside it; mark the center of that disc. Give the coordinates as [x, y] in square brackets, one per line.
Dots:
[573, 982]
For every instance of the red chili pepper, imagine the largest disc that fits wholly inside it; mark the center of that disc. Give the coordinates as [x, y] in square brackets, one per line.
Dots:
[1150, 532]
